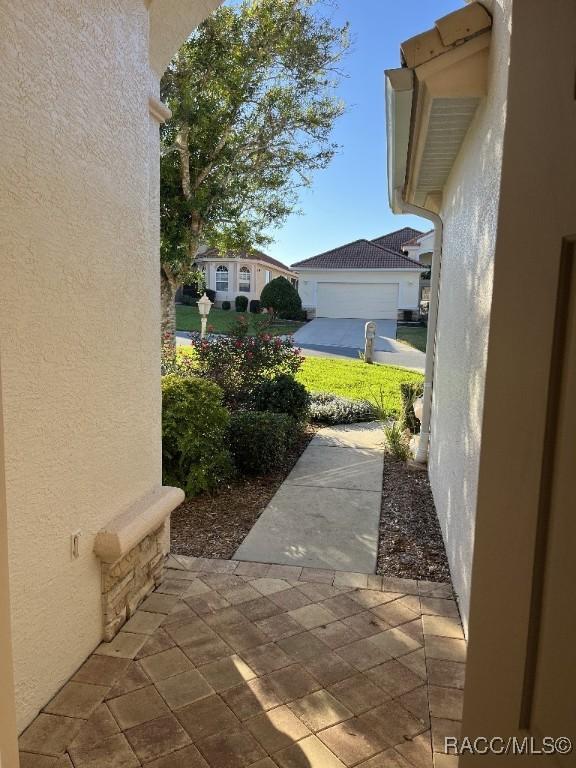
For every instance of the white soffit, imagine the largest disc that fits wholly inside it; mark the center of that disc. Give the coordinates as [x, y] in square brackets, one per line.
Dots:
[448, 93]
[448, 124]
[431, 102]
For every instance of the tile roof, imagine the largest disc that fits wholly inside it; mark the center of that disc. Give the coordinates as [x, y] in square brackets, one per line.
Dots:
[395, 240]
[212, 253]
[361, 254]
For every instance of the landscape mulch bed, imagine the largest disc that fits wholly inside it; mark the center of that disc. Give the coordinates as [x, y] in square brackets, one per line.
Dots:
[215, 525]
[411, 544]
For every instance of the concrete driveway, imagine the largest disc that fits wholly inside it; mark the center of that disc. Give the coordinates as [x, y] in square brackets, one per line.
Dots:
[328, 332]
[344, 338]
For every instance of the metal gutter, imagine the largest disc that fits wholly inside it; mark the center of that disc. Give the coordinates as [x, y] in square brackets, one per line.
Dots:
[399, 96]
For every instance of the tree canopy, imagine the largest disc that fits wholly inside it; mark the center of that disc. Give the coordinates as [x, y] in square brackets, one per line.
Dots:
[253, 102]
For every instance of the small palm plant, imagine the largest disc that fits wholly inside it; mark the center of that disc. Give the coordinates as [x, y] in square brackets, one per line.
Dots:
[397, 441]
[396, 435]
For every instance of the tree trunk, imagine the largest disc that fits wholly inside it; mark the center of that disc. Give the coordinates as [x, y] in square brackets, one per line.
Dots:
[168, 290]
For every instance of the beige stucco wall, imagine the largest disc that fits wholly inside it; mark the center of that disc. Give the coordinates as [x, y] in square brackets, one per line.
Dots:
[408, 283]
[79, 308]
[469, 211]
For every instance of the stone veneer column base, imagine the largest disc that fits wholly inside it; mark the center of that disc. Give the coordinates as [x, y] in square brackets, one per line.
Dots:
[131, 548]
[127, 582]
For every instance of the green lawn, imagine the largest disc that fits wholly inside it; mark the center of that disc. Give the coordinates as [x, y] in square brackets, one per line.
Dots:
[414, 335]
[355, 379]
[221, 321]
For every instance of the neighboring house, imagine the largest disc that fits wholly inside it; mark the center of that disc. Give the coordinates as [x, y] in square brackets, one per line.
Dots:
[244, 274]
[359, 280]
[481, 121]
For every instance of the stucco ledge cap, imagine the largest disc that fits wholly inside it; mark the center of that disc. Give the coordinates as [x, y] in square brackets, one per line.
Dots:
[128, 529]
[158, 110]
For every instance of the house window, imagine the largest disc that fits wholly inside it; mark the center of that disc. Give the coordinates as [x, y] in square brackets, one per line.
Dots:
[222, 278]
[266, 276]
[244, 280]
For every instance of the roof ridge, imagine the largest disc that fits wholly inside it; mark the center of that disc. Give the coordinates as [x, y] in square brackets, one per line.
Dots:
[331, 250]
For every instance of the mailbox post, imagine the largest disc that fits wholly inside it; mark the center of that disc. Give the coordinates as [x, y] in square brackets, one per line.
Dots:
[369, 336]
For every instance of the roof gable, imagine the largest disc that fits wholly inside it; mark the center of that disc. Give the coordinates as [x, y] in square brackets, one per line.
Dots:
[360, 254]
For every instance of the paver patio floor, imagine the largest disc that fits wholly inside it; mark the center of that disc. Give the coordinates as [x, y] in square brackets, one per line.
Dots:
[327, 511]
[235, 665]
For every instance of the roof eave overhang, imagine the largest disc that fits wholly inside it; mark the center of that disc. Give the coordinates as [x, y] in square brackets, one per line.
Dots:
[429, 108]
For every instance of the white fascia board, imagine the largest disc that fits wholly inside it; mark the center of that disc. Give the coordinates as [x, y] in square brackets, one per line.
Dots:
[399, 92]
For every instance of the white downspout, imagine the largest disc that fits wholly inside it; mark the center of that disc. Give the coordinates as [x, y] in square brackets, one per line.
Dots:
[421, 453]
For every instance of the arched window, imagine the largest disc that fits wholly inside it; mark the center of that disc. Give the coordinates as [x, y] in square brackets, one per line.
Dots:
[222, 278]
[244, 280]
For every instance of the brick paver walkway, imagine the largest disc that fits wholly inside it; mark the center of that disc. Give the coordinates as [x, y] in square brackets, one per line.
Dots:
[236, 665]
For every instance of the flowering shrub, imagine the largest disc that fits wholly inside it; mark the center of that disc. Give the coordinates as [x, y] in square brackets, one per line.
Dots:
[238, 362]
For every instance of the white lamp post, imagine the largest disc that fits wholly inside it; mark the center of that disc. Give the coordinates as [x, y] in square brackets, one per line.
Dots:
[204, 305]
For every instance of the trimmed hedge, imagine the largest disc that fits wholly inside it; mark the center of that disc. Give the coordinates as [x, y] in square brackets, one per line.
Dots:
[282, 395]
[195, 456]
[241, 303]
[255, 306]
[326, 408]
[259, 441]
[226, 305]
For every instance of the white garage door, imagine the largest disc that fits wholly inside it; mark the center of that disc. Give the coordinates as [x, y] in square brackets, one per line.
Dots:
[368, 301]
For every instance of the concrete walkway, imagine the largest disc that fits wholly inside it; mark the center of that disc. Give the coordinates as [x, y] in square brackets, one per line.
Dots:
[326, 513]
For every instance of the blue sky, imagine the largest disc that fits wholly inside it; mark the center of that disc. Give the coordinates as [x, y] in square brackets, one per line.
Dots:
[348, 200]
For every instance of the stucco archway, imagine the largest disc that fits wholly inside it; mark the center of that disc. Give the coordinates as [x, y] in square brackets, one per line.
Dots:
[69, 232]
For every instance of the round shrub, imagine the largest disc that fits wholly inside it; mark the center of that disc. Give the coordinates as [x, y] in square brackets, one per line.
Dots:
[326, 408]
[259, 441]
[241, 303]
[255, 306]
[281, 298]
[225, 305]
[282, 395]
[194, 434]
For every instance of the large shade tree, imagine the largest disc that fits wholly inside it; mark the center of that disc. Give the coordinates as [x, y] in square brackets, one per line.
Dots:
[253, 102]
